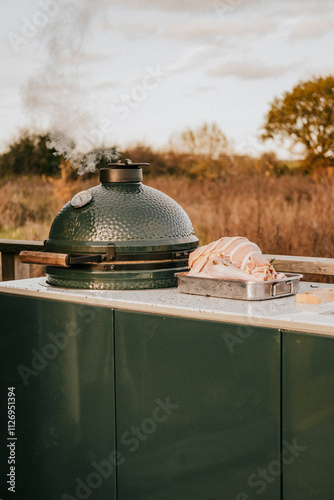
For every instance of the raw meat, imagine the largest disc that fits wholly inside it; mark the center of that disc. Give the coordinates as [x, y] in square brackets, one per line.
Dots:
[233, 259]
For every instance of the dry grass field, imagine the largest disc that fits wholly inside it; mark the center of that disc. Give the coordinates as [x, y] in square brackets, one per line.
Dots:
[289, 215]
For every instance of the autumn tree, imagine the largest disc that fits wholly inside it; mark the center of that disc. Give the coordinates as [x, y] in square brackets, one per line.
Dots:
[29, 155]
[202, 153]
[305, 117]
[207, 140]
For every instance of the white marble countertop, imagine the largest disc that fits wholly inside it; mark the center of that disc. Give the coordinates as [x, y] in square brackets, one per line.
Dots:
[284, 313]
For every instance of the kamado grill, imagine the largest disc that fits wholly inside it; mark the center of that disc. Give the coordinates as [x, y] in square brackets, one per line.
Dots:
[119, 235]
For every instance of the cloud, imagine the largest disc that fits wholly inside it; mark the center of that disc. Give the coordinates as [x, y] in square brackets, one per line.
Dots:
[104, 86]
[298, 8]
[250, 70]
[168, 5]
[195, 29]
[313, 27]
[208, 28]
[83, 58]
[223, 8]
[323, 71]
[131, 30]
[192, 58]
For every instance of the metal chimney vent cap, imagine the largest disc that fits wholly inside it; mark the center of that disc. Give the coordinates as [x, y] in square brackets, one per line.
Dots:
[122, 172]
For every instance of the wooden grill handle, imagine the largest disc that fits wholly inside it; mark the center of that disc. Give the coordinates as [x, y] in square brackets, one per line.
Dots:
[45, 258]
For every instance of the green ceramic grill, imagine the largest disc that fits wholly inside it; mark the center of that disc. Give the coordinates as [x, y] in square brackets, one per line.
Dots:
[119, 235]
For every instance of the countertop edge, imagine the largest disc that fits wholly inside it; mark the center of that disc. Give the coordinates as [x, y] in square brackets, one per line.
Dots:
[223, 317]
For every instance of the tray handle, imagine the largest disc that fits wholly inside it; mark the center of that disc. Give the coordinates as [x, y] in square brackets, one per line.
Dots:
[282, 288]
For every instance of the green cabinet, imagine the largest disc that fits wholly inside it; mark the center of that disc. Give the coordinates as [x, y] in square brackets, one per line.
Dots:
[111, 404]
[197, 409]
[308, 415]
[59, 358]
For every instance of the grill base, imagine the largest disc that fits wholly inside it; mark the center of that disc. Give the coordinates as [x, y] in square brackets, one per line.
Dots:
[113, 280]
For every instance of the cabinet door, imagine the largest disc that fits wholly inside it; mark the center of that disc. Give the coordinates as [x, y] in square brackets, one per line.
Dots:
[308, 416]
[59, 358]
[197, 409]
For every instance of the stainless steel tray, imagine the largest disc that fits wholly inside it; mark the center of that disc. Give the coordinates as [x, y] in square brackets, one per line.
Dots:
[240, 290]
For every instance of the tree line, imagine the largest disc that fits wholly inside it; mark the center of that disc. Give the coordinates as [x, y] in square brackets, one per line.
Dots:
[302, 117]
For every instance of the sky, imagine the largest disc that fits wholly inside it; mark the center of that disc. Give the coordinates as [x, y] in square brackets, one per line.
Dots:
[99, 73]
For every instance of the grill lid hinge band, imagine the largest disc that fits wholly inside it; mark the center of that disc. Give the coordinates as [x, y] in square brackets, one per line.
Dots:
[111, 251]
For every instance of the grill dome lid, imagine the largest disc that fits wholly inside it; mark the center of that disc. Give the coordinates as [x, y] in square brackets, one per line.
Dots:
[124, 212]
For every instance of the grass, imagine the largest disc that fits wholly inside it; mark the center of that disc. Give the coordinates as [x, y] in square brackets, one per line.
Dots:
[290, 215]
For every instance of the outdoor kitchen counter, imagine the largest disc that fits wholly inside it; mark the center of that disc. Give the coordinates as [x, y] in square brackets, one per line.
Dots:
[283, 313]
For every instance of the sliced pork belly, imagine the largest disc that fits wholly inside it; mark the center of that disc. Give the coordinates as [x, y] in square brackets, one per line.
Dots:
[231, 258]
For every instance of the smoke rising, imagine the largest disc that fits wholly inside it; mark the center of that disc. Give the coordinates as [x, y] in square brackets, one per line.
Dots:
[55, 99]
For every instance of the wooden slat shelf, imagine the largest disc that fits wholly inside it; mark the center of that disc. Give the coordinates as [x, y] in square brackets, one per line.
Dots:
[11, 268]
[307, 265]
[16, 246]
